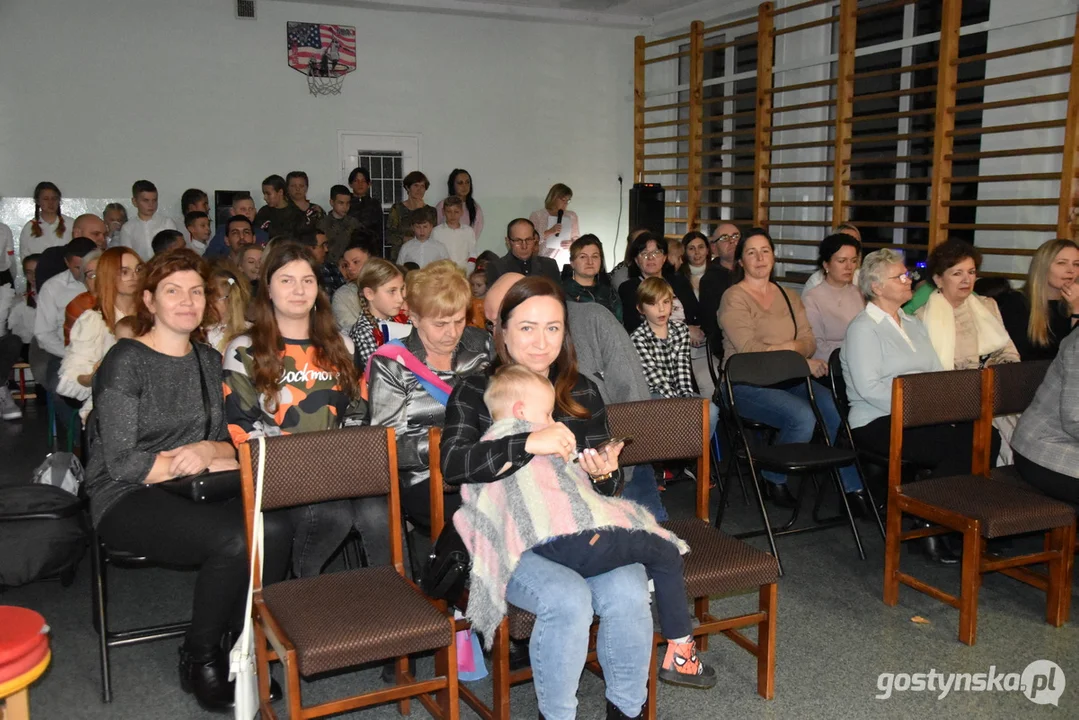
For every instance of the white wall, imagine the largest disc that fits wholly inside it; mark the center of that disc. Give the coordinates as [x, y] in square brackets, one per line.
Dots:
[96, 94]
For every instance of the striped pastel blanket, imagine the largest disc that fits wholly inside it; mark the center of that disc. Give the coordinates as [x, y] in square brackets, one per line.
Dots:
[547, 498]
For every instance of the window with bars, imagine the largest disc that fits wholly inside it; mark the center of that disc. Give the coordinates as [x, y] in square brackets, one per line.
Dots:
[728, 126]
[385, 168]
[893, 123]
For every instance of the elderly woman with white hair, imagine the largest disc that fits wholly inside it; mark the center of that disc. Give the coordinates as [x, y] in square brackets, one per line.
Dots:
[883, 342]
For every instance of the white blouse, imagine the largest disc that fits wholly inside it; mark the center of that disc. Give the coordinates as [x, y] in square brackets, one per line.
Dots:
[30, 245]
[90, 340]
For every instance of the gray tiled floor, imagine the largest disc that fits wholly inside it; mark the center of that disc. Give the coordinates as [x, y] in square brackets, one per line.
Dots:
[835, 638]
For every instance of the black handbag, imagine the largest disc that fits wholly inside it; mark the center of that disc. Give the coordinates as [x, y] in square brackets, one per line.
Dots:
[446, 574]
[206, 486]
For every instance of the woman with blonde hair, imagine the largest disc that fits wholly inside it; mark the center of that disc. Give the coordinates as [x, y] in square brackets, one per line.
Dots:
[409, 381]
[382, 309]
[558, 227]
[230, 294]
[1051, 307]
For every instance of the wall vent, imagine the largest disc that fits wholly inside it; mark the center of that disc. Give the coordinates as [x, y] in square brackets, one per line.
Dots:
[245, 9]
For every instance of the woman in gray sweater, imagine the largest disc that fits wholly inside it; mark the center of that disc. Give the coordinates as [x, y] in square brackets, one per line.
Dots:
[159, 415]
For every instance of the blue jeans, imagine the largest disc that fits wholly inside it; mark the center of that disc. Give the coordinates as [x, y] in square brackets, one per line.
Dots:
[564, 603]
[788, 411]
[641, 488]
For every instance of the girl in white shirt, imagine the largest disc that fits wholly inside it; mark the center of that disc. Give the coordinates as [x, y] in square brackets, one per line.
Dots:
[49, 226]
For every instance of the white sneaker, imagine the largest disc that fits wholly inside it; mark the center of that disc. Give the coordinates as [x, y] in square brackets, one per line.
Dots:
[9, 410]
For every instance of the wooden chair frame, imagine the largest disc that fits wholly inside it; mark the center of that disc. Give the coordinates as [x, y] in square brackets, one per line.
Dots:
[1058, 551]
[502, 677]
[764, 649]
[273, 644]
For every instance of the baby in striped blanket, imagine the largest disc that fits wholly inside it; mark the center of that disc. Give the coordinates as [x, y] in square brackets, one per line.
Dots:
[602, 542]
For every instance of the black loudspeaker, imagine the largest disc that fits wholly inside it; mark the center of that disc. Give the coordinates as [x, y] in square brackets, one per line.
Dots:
[646, 207]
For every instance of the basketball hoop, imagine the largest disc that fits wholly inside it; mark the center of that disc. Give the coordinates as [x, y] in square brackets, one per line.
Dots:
[325, 85]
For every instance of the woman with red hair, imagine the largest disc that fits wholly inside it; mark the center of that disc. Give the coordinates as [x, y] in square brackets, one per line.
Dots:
[116, 283]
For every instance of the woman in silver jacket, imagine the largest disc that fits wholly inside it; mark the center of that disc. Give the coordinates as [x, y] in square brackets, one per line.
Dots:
[438, 299]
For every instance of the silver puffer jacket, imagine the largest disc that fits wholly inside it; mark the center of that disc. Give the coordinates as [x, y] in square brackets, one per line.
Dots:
[398, 400]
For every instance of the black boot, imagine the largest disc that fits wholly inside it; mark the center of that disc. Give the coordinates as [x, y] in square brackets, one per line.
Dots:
[780, 495]
[519, 654]
[934, 548]
[859, 504]
[389, 671]
[208, 679]
[613, 713]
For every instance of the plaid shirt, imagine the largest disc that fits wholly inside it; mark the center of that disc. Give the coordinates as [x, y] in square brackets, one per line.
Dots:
[467, 459]
[362, 335]
[666, 363]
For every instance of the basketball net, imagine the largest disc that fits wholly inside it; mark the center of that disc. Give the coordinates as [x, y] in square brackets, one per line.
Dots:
[325, 85]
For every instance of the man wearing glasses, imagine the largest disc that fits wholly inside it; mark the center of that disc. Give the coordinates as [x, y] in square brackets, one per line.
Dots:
[716, 280]
[522, 239]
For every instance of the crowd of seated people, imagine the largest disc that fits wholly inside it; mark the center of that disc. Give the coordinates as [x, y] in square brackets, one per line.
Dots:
[295, 319]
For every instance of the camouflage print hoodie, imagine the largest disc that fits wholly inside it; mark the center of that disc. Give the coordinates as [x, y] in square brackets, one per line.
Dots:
[309, 397]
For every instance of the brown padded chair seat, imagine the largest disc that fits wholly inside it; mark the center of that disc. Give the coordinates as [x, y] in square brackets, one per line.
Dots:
[1003, 509]
[719, 564]
[521, 622]
[360, 616]
[1009, 474]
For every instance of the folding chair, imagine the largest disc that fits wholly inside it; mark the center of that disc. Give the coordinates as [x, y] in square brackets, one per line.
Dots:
[842, 405]
[767, 369]
[342, 620]
[979, 508]
[718, 564]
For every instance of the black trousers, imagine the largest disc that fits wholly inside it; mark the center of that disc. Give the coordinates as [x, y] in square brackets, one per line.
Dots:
[10, 352]
[416, 503]
[173, 530]
[942, 449]
[595, 552]
[1054, 484]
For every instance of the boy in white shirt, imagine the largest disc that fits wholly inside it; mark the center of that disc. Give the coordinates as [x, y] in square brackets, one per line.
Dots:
[422, 249]
[138, 233]
[460, 240]
[198, 230]
[193, 200]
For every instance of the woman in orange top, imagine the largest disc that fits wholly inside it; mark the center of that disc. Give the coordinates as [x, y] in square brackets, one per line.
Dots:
[293, 372]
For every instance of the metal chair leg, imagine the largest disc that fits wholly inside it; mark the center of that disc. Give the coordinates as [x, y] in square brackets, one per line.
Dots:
[850, 516]
[764, 517]
[101, 615]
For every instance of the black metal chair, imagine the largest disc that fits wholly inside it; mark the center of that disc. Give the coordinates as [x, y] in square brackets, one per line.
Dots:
[842, 406]
[767, 369]
[101, 556]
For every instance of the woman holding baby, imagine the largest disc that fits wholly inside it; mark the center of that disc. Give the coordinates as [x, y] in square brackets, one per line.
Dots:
[531, 331]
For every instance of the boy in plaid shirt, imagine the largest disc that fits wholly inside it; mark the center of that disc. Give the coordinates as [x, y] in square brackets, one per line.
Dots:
[663, 346]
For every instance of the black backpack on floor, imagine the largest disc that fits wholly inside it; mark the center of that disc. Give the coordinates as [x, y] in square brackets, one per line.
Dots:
[42, 528]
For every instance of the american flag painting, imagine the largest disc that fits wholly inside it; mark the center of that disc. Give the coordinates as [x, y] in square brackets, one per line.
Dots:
[321, 50]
